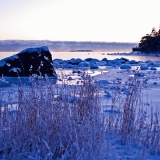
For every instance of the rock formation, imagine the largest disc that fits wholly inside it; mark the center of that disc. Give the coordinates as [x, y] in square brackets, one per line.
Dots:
[31, 61]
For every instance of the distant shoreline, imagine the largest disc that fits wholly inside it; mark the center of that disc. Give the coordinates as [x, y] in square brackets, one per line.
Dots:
[66, 46]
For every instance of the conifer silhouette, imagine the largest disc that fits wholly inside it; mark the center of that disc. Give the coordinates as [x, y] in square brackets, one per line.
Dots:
[150, 42]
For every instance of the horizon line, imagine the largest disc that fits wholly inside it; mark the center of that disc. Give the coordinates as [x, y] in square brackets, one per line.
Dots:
[66, 41]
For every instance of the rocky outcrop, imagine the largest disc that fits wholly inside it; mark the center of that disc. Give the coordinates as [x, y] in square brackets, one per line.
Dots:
[31, 61]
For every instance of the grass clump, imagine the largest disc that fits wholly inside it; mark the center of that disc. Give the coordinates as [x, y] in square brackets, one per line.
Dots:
[53, 121]
[132, 123]
[64, 121]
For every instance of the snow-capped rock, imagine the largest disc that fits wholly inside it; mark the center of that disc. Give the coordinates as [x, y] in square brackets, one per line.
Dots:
[125, 66]
[133, 62]
[143, 67]
[93, 66]
[153, 68]
[39, 58]
[83, 64]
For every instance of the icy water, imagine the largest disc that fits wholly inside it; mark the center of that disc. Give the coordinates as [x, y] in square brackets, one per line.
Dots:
[98, 55]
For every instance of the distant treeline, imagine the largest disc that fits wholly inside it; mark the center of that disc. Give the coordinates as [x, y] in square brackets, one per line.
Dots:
[150, 42]
[67, 46]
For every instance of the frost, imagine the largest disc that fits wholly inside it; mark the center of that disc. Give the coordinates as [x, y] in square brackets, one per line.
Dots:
[8, 64]
[46, 58]
[41, 63]
[15, 70]
[38, 49]
[34, 75]
[74, 114]
[3, 79]
[15, 56]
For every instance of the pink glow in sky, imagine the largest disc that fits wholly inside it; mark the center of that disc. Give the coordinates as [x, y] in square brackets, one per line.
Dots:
[78, 20]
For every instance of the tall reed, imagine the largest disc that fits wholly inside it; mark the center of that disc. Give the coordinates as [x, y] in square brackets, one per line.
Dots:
[54, 121]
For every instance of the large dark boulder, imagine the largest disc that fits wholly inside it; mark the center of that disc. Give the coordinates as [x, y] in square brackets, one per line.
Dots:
[28, 62]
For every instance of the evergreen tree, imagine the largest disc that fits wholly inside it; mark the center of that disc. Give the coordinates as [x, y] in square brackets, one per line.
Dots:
[150, 42]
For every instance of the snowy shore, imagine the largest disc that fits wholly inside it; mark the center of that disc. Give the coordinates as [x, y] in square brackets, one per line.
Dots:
[109, 71]
[114, 78]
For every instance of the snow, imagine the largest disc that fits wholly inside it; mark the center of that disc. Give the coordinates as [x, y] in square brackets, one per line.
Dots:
[144, 67]
[125, 66]
[83, 64]
[38, 49]
[111, 72]
[3, 61]
[29, 50]
[111, 75]
[93, 65]
[15, 69]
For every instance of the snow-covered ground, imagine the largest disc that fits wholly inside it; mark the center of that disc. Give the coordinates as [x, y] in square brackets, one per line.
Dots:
[109, 71]
[111, 75]
[116, 73]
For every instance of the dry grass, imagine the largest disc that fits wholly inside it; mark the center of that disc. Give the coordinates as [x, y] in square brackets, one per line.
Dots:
[135, 121]
[63, 121]
[54, 122]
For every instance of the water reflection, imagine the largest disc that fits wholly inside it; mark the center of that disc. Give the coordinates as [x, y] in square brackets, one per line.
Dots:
[98, 55]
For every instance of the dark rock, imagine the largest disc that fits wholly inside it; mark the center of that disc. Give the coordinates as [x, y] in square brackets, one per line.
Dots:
[125, 66]
[60, 61]
[133, 62]
[93, 66]
[123, 60]
[28, 62]
[88, 59]
[104, 59]
[94, 60]
[144, 67]
[74, 61]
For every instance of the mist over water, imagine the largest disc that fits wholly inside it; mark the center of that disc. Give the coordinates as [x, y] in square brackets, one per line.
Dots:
[97, 55]
[101, 55]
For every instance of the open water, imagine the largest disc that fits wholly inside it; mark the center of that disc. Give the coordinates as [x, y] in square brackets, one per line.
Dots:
[98, 55]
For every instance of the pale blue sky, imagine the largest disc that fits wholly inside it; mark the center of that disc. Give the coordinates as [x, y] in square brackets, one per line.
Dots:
[78, 20]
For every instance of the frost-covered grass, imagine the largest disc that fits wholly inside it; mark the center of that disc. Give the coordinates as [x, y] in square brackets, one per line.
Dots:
[75, 122]
[53, 122]
[132, 124]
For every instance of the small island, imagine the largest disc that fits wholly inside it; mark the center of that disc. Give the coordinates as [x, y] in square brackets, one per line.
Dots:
[149, 43]
[81, 50]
